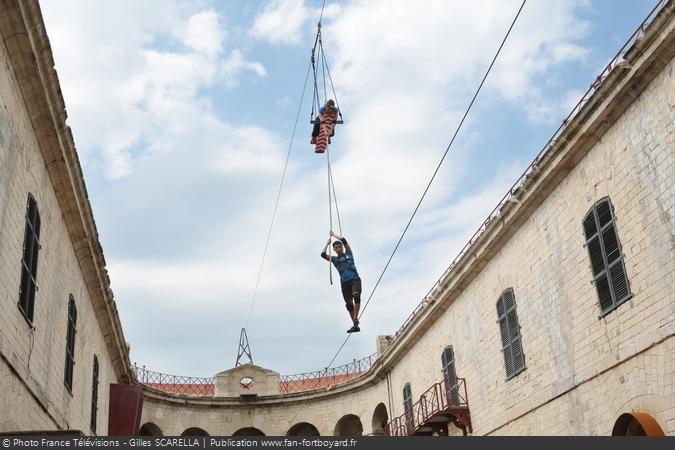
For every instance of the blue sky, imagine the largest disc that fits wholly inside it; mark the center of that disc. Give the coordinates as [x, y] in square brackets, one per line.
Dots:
[182, 113]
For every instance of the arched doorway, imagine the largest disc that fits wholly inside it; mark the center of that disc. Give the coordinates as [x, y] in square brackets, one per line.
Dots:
[349, 425]
[303, 429]
[248, 431]
[380, 420]
[636, 424]
[194, 431]
[150, 429]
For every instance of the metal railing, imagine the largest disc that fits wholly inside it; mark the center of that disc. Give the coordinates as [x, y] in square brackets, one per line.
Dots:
[175, 384]
[204, 387]
[328, 377]
[521, 183]
[440, 397]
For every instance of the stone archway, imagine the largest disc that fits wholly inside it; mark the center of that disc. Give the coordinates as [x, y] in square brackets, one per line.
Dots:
[380, 420]
[636, 424]
[150, 429]
[303, 429]
[349, 425]
[248, 431]
[194, 431]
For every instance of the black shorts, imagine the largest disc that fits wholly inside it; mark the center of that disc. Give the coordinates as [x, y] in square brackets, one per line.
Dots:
[350, 288]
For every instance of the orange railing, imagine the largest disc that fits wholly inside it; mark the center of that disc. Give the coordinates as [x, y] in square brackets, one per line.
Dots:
[299, 382]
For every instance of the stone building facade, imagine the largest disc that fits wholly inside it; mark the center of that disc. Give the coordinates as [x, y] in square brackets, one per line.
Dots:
[39, 165]
[557, 319]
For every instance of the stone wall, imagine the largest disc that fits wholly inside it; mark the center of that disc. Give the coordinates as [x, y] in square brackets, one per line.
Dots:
[32, 391]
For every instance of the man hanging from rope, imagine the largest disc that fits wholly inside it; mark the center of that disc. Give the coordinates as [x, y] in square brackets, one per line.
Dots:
[349, 277]
[324, 126]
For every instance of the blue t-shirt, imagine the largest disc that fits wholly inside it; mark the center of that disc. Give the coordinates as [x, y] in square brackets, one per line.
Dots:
[345, 266]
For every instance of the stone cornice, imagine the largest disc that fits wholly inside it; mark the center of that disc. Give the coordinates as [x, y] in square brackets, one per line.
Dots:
[24, 35]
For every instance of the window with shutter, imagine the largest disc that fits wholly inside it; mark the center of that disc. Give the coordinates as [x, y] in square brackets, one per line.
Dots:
[512, 348]
[450, 376]
[94, 397]
[29, 260]
[606, 257]
[408, 407]
[70, 344]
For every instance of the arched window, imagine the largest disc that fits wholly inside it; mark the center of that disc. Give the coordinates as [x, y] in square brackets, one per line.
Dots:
[70, 344]
[29, 260]
[450, 376]
[408, 408]
[604, 249]
[512, 347]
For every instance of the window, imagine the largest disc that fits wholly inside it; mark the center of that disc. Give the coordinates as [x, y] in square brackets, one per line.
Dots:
[512, 347]
[408, 408]
[94, 397]
[70, 345]
[604, 250]
[31, 246]
[450, 376]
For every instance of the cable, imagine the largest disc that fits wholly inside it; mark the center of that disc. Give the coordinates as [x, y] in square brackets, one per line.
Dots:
[330, 212]
[452, 140]
[276, 203]
[323, 5]
[337, 103]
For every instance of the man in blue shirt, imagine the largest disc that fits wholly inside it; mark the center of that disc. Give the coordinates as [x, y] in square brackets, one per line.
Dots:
[349, 277]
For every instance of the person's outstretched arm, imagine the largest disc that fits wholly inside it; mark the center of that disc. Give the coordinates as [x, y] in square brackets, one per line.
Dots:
[324, 255]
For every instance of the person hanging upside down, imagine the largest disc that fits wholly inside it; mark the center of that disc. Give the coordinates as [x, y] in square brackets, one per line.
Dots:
[324, 126]
[349, 277]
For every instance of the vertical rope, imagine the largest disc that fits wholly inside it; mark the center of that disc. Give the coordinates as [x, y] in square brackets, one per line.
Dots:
[330, 213]
[337, 210]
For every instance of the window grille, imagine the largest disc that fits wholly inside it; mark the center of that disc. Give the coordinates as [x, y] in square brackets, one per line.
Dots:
[450, 376]
[94, 397]
[512, 347]
[607, 261]
[29, 260]
[408, 407]
[70, 344]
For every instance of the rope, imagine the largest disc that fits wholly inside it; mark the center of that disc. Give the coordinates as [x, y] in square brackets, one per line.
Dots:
[337, 103]
[330, 212]
[452, 140]
[337, 210]
[276, 203]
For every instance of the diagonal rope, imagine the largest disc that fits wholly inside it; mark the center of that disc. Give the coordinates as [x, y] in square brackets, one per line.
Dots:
[276, 203]
[337, 103]
[452, 140]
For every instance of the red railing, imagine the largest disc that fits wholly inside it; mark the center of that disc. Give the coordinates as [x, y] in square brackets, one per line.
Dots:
[438, 399]
[525, 178]
[204, 387]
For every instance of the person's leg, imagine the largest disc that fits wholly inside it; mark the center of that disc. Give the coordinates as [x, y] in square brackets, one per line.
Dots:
[356, 295]
[347, 296]
[315, 131]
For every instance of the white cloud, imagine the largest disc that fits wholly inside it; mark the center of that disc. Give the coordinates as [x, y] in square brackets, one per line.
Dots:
[281, 21]
[236, 63]
[204, 32]
[128, 81]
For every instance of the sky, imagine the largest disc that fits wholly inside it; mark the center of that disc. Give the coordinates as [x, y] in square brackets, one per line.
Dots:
[183, 113]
